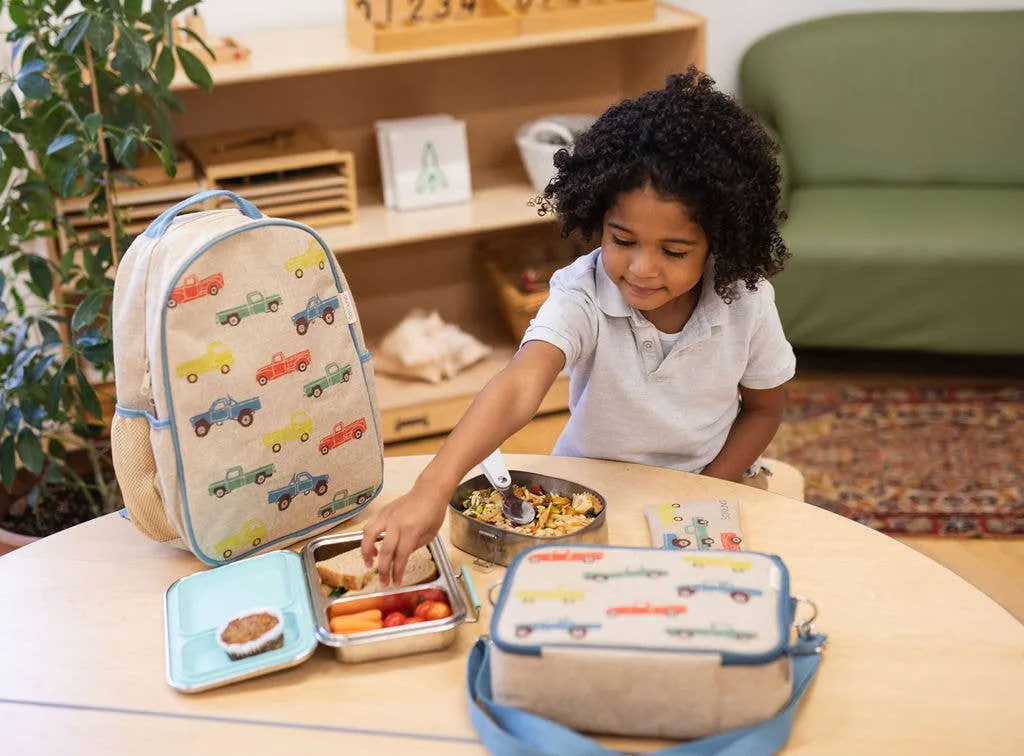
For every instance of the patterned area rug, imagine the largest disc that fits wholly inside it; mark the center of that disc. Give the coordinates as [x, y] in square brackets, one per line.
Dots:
[913, 461]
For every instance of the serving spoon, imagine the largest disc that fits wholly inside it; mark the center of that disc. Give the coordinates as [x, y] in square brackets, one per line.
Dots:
[516, 510]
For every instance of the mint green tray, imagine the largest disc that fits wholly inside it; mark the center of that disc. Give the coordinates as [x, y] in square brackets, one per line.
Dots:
[196, 605]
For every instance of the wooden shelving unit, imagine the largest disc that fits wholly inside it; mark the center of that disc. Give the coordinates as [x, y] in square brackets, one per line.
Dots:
[435, 258]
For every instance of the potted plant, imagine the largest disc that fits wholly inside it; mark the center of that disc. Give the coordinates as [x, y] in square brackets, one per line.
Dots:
[87, 94]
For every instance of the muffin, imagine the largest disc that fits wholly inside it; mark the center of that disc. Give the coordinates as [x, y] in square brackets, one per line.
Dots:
[251, 633]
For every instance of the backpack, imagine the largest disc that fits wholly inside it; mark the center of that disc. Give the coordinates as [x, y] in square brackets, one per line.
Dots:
[246, 414]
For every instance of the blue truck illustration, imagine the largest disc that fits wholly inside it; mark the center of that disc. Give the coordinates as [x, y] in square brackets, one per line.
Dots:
[740, 595]
[576, 630]
[301, 483]
[315, 308]
[225, 408]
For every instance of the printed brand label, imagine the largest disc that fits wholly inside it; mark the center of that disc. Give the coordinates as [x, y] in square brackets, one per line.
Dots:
[350, 308]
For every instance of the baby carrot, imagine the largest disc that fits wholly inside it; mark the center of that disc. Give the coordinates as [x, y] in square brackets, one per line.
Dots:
[346, 626]
[353, 606]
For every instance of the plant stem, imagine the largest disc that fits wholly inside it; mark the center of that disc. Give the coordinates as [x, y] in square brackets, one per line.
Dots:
[111, 225]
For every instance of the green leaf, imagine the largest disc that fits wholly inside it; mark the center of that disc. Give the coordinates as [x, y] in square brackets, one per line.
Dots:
[41, 368]
[9, 107]
[30, 451]
[54, 394]
[124, 147]
[134, 47]
[73, 32]
[201, 41]
[64, 140]
[194, 69]
[19, 14]
[53, 474]
[51, 336]
[8, 463]
[68, 174]
[101, 354]
[57, 449]
[13, 421]
[32, 67]
[132, 9]
[89, 399]
[100, 34]
[34, 86]
[167, 158]
[92, 123]
[60, 6]
[39, 270]
[86, 312]
[182, 5]
[35, 415]
[164, 68]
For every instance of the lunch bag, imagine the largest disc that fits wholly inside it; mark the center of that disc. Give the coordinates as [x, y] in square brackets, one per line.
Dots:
[246, 415]
[642, 642]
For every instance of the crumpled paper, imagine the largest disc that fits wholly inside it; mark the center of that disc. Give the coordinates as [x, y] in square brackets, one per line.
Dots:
[423, 346]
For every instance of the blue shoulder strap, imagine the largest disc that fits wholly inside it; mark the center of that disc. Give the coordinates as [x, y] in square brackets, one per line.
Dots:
[506, 731]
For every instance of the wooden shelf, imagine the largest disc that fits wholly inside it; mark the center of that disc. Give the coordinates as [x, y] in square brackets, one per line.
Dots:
[410, 409]
[498, 207]
[281, 53]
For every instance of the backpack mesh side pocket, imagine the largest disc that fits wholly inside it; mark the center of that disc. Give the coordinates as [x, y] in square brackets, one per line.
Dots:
[135, 467]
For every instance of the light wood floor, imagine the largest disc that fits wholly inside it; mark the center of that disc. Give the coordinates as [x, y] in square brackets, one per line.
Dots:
[994, 566]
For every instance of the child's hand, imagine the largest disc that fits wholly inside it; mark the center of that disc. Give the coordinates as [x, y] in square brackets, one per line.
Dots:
[410, 521]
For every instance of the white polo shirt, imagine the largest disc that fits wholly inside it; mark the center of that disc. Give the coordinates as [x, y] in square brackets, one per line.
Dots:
[632, 402]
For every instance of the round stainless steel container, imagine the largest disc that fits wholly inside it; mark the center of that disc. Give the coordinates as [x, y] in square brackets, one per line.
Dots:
[491, 544]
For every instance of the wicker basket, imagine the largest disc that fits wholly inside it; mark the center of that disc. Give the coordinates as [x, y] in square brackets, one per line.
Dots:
[506, 273]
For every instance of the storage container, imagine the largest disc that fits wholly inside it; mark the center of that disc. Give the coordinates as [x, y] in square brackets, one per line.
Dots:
[197, 605]
[492, 544]
[644, 642]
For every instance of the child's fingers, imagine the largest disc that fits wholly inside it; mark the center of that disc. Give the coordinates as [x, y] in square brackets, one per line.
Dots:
[385, 557]
[369, 543]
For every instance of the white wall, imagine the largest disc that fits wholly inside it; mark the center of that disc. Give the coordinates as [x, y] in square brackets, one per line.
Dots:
[732, 24]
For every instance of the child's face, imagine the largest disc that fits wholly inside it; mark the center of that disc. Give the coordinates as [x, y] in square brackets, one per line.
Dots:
[655, 253]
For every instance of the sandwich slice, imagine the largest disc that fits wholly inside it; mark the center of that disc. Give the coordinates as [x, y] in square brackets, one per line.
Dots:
[348, 571]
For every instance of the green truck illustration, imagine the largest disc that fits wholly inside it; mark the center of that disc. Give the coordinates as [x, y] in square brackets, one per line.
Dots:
[333, 375]
[344, 501]
[255, 303]
[236, 477]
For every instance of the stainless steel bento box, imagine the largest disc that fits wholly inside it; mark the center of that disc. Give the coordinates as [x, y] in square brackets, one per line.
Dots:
[494, 545]
[388, 641]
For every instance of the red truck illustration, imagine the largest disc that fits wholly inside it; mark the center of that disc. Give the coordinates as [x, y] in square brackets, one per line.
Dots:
[567, 555]
[280, 365]
[194, 288]
[342, 433]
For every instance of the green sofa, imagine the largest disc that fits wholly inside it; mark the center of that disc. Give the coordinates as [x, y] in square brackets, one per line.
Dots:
[902, 139]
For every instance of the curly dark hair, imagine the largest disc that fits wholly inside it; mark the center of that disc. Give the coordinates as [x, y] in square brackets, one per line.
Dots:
[692, 143]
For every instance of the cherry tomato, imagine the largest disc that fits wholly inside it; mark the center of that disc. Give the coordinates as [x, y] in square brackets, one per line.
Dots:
[422, 609]
[433, 594]
[396, 602]
[438, 610]
[394, 619]
[413, 620]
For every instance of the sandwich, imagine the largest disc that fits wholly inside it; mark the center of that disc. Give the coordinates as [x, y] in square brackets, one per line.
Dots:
[348, 571]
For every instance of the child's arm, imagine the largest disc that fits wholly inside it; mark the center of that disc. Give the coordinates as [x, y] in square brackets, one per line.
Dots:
[759, 419]
[506, 404]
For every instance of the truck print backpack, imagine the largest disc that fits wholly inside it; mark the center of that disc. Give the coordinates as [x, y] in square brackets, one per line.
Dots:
[246, 415]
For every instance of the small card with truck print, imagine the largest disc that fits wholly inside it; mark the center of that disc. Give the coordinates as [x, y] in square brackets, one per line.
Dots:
[698, 525]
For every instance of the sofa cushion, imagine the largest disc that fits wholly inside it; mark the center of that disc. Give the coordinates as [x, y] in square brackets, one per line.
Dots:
[918, 268]
[909, 96]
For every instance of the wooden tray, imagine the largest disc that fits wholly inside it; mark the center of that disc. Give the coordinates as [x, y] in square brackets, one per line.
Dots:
[385, 26]
[288, 172]
[547, 16]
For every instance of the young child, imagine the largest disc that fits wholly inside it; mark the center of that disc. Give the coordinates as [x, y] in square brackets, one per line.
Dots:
[668, 330]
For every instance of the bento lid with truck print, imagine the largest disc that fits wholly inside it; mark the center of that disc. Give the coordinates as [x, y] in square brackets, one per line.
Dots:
[246, 414]
[734, 603]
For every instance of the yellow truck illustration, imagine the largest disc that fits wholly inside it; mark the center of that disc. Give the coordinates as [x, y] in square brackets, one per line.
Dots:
[707, 560]
[217, 357]
[252, 532]
[300, 427]
[313, 256]
[553, 594]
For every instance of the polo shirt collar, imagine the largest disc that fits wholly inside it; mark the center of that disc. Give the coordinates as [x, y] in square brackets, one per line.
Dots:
[710, 308]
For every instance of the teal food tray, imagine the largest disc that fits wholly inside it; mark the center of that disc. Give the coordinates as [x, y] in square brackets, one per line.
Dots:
[197, 605]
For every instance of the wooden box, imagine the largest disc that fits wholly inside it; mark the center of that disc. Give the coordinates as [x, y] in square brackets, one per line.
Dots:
[388, 26]
[290, 172]
[547, 16]
[138, 204]
[508, 270]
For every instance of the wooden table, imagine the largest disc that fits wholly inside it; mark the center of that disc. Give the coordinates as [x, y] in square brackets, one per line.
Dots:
[918, 662]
